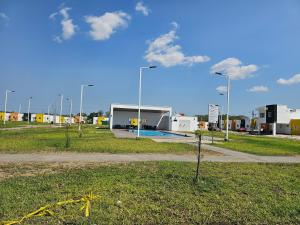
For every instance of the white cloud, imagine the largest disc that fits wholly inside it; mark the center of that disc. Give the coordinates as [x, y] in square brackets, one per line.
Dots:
[260, 88]
[68, 27]
[53, 15]
[164, 51]
[293, 80]
[140, 7]
[222, 89]
[3, 16]
[102, 27]
[234, 68]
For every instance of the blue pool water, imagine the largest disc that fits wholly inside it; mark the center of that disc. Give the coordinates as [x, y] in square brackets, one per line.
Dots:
[155, 133]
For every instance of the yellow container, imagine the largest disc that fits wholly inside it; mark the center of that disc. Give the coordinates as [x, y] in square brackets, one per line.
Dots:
[295, 127]
[253, 123]
[202, 125]
[62, 119]
[100, 119]
[133, 121]
[13, 116]
[40, 118]
[2, 116]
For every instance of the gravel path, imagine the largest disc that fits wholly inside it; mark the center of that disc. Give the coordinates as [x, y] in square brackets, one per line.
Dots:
[229, 156]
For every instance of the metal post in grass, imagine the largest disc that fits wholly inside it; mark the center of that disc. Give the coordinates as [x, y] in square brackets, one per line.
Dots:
[198, 158]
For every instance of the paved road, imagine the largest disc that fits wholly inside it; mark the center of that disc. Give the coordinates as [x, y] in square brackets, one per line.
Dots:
[229, 156]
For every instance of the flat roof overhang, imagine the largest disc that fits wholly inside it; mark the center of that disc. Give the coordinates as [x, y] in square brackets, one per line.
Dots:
[144, 108]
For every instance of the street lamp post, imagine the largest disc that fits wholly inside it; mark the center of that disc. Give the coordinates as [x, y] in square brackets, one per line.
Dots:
[81, 96]
[28, 111]
[221, 112]
[71, 107]
[6, 94]
[140, 95]
[61, 108]
[228, 98]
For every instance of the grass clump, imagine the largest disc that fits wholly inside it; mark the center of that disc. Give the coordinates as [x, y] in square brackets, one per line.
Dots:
[92, 140]
[163, 193]
[259, 145]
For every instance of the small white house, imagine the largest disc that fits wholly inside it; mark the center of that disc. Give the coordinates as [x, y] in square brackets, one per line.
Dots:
[20, 117]
[48, 118]
[33, 117]
[184, 123]
[276, 119]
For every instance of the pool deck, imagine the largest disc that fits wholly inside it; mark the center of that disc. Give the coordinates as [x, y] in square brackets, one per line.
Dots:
[119, 133]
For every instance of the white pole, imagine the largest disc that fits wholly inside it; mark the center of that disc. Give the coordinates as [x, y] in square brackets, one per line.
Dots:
[221, 118]
[139, 109]
[48, 109]
[228, 98]
[29, 101]
[61, 105]
[80, 111]
[71, 106]
[4, 118]
[20, 108]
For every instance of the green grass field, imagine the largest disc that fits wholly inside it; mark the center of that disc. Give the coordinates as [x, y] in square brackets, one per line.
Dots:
[93, 140]
[9, 124]
[159, 193]
[259, 145]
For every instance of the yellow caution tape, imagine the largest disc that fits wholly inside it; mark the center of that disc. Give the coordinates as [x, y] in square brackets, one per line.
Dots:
[46, 210]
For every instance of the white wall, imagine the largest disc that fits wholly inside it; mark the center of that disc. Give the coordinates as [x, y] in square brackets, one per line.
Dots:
[48, 118]
[283, 114]
[33, 117]
[20, 116]
[152, 118]
[283, 128]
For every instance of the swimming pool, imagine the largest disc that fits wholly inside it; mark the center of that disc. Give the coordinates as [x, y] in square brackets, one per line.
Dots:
[156, 133]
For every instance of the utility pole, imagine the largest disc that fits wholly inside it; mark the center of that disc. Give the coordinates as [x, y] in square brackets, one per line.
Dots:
[28, 111]
[5, 105]
[61, 108]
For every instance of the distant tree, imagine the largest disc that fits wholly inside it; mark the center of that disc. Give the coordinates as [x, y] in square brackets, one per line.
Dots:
[100, 113]
[82, 114]
[107, 114]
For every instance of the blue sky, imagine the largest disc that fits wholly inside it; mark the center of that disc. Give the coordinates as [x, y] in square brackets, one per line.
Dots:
[104, 42]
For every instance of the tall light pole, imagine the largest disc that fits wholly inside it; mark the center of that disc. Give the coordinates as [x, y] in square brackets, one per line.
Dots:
[81, 97]
[6, 94]
[221, 112]
[20, 106]
[140, 96]
[28, 111]
[61, 108]
[228, 98]
[71, 107]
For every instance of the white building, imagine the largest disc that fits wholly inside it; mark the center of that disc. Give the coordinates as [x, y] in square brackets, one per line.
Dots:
[48, 118]
[184, 123]
[276, 119]
[20, 117]
[152, 117]
[32, 117]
